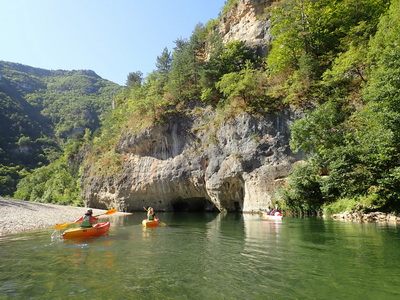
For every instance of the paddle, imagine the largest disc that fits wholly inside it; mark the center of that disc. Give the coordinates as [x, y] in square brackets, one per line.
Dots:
[159, 223]
[65, 225]
[162, 223]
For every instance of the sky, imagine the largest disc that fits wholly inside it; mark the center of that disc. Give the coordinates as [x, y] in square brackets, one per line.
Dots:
[111, 37]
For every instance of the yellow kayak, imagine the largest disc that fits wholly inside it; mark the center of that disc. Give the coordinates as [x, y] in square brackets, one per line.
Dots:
[152, 223]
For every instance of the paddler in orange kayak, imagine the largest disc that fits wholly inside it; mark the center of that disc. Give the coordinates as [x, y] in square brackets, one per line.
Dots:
[87, 220]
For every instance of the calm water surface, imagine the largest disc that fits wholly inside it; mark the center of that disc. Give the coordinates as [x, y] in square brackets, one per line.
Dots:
[207, 256]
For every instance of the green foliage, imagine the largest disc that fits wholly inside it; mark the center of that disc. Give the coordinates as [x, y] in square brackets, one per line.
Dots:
[388, 188]
[229, 4]
[318, 55]
[360, 204]
[356, 154]
[384, 54]
[134, 78]
[163, 64]
[9, 176]
[387, 32]
[51, 184]
[59, 181]
[187, 62]
[310, 35]
[303, 193]
[340, 206]
[358, 151]
[349, 66]
[308, 137]
[249, 85]
[41, 111]
[232, 58]
[340, 58]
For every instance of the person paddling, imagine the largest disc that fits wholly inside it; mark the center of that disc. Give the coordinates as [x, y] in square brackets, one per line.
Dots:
[87, 220]
[151, 216]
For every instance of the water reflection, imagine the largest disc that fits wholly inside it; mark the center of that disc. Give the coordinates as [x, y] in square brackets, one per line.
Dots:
[207, 256]
[82, 252]
[257, 227]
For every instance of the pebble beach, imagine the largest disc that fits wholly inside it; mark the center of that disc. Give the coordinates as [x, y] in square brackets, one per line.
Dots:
[18, 215]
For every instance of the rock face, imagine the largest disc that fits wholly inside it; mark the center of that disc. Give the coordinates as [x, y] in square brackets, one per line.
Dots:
[247, 22]
[191, 163]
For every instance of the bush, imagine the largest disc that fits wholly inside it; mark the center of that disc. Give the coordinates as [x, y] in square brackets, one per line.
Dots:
[340, 206]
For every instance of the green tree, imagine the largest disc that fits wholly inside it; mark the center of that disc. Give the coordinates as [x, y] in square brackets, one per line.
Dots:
[383, 85]
[318, 31]
[187, 64]
[248, 84]
[303, 193]
[321, 130]
[163, 64]
[134, 79]
[180, 62]
[231, 58]
[56, 183]
[234, 57]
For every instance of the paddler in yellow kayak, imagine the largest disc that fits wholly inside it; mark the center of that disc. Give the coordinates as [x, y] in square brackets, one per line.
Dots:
[151, 216]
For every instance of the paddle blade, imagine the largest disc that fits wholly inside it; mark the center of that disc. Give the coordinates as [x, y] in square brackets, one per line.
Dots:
[61, 226]
[162, 224]
[111, 211]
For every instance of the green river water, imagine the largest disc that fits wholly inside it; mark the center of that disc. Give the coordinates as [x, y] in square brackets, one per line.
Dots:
[206, 256]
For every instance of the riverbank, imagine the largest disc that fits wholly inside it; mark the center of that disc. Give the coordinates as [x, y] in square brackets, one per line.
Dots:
[369, 217]
[18, 215]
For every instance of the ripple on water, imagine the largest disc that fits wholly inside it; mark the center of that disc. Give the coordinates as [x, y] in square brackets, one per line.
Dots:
[218, 258]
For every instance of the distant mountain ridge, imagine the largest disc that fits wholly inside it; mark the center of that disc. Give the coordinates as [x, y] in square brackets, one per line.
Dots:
[42, 72]
[40, 110]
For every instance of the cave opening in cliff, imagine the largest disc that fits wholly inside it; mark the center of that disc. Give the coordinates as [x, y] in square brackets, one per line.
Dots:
[237, 206]
[193, 205]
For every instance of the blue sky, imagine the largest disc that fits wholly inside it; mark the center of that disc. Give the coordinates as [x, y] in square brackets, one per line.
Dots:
[110, 37]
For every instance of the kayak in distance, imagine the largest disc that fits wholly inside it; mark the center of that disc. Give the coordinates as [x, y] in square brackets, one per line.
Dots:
[96, 230]
[153, 223]
[272, 216]
[150, 223]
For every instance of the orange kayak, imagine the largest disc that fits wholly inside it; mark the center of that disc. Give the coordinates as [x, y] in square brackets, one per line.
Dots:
[97, 229]
[148, 223]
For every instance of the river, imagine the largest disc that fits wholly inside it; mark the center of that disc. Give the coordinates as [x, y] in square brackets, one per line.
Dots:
[207, 256]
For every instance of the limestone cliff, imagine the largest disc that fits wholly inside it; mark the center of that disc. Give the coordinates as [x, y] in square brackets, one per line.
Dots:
[191, 163]
[247, 22]
[194, 163]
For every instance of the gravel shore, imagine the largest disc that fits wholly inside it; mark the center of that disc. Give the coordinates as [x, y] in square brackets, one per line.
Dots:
[18, 215]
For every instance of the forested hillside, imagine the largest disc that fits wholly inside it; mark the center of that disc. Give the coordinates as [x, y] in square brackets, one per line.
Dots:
[348, 66]
[337, 61]
[42, 112]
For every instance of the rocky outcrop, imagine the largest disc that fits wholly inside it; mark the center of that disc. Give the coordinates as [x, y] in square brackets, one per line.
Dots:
[248, 22]
[367, 217]
[193, 163]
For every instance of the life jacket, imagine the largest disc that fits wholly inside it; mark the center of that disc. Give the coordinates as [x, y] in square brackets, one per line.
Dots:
[86, 222]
